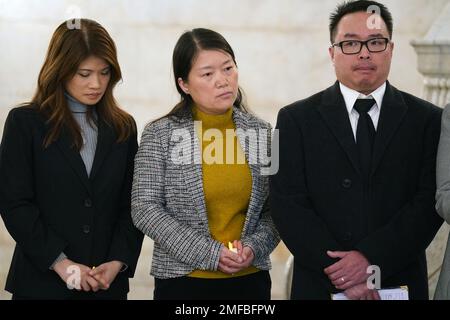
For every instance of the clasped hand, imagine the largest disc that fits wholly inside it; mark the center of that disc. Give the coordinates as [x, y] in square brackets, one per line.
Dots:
[82, 277]
[230, 262]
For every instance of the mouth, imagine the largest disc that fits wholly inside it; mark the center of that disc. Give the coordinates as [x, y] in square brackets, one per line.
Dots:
[365, 68]
[225, 95]
[93, 95]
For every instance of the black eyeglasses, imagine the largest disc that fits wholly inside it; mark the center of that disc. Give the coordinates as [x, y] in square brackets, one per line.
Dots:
[355, 46]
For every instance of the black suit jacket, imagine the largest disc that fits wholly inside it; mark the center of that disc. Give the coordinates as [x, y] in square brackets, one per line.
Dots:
[317, 196]
[50, 205]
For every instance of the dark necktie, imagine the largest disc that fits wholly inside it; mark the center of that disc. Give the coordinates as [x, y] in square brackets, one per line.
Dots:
[365, 135]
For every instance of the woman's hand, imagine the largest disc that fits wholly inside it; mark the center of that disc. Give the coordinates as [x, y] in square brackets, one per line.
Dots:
[106, 273]
[76, 275]
[230, 262]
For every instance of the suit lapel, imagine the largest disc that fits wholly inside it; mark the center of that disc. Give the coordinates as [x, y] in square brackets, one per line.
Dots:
[335, 114]
[392, 111]
[105, 139]
[65, 144]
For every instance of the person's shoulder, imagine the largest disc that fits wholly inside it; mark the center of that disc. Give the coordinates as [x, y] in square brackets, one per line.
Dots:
[162, 125]
[253, 119]
[24, 112]
[304, 106]
[420, 104]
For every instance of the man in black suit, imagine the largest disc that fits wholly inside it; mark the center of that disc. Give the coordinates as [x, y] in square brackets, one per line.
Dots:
[356, 181]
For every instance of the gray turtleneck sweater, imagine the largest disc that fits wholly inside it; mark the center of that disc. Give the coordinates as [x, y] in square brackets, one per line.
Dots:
[89, 132]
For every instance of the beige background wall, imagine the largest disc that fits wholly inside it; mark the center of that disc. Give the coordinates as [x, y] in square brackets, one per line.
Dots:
[281, 48]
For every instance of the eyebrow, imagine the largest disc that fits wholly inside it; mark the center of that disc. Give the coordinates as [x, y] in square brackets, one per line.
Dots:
[84, 69]
[354, 35]
[209, 67]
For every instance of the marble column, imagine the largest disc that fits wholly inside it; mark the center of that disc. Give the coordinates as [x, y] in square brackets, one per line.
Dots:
[433, 56]
[433, 52]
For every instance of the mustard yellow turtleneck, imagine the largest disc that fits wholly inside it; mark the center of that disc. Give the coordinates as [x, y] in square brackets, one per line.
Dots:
[227, 182]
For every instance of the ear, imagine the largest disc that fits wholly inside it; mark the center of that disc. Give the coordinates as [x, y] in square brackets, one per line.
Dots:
[183, 85]
[392, 48]
[331, 53]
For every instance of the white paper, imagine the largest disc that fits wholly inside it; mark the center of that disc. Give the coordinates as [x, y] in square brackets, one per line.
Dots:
[400, 293]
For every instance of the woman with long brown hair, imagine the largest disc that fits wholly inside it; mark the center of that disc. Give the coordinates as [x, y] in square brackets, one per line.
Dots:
[66, 164]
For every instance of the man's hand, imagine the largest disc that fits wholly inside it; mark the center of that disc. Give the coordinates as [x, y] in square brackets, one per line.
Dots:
[361, 292]
[106, 273]
[83, 280]
[349, 271]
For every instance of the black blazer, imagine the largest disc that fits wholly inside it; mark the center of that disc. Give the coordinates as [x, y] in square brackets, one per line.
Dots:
[49, 206]
[317, 196]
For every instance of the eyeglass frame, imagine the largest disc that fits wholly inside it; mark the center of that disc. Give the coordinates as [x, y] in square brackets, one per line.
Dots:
[362, 43]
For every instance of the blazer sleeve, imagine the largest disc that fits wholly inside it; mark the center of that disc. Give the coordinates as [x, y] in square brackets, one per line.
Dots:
[18, 208]
[265, 238]
[180, 240]
[127, 239]
[443, 168]
[414, 226]
[301, 229]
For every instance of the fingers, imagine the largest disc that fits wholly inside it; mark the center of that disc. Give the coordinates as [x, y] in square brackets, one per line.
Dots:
[230, 255]
[337, 254]
[92, 283]
[232, 263]
[238, 244]
[248, 255]
[104, 285]
[345, 285]
[97, 270]
[84, 284]
[375, 295]
[99, 275]
[335, 267]
[226, 269]
[336, 277]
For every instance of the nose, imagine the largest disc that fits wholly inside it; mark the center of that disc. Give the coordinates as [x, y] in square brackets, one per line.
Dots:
[221, 81]
[364, 54]
[95, 82]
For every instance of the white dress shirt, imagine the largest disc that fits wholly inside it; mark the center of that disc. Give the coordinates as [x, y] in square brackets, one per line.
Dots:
[350, 97]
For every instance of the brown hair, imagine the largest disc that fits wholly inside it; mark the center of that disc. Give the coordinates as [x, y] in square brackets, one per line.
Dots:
[68, 47]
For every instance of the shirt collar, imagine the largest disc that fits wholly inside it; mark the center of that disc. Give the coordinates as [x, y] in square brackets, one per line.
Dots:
[350, 96]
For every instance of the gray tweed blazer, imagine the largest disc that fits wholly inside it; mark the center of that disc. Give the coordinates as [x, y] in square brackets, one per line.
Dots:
[168, 201]
[443, 200]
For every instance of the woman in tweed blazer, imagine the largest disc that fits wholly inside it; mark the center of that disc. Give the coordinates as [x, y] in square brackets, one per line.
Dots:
[443, 200]
[194, 208]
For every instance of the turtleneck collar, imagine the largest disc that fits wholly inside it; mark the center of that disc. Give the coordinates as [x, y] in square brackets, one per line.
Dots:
[74, 105]
[217, 121]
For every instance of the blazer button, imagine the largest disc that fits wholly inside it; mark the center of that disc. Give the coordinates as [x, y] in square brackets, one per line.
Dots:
[88, 203]
[346, 183]
[86, 229]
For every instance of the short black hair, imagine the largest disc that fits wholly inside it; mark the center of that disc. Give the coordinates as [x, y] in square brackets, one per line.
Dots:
[357, 6]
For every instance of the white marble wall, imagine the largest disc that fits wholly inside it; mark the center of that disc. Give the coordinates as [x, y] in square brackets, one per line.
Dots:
[281, 48]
